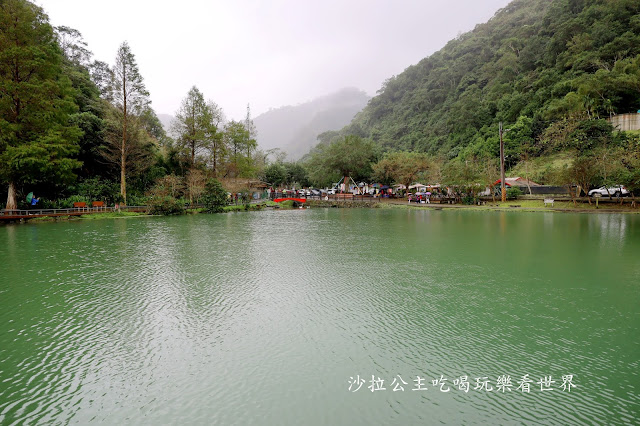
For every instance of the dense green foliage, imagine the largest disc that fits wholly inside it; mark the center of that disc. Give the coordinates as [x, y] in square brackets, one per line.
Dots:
[37, 135]
[347, 156]
[514, 192]
[193, 125]
[286, 174]
[166, 206]
[402, 167]
[240, 145]
[214, 197]
[275, 174]
[535, 62]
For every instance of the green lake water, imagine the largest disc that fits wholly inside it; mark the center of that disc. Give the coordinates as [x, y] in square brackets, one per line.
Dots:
[270, 317]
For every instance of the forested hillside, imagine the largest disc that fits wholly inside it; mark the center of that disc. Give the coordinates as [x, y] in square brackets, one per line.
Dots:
[535, 63]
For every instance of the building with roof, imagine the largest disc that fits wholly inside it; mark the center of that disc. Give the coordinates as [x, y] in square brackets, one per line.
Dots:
[517, 181]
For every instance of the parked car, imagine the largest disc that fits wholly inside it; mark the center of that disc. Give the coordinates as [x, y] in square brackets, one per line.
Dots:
[315, 192]
[613, 191]
[331, 191]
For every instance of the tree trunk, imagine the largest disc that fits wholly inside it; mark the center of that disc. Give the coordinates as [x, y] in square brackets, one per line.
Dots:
[215, 163]
[11, 197]
[123, 181]
[123, 157]
[580, 189]
[573, 195]
[123, 165]
[526, 174]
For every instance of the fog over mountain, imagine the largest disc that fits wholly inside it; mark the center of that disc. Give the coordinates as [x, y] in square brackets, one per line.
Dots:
[166, 120]
[294, 129]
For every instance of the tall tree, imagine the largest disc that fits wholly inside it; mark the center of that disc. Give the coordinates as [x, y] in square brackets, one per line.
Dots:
[215, 137]
[73, 46]
[130, 98]
[350, 156]
[275, 174]
[631, 162]
[191, 124]
[490, 173]
[403, 167]
[91, 109]
[37, 139]
[138, 150]
[252, 132]
[239, 141]
[102, 76]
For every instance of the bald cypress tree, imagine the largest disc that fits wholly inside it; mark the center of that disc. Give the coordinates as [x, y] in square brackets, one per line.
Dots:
[191, 124]
[130, 98]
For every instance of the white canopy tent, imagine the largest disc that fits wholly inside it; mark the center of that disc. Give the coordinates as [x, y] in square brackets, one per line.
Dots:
[418, 186]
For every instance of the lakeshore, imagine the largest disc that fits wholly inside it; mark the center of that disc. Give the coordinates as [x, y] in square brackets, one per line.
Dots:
[525, 205]
[563, 206]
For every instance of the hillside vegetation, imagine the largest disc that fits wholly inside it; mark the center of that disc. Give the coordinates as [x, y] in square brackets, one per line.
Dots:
[534, 64]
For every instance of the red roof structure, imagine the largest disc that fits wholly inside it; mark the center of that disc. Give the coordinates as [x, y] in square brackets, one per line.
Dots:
[300, 200]
[516, 181]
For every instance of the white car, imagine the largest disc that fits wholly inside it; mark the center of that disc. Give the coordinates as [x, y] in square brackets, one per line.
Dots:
[331, 191]
[613, 191]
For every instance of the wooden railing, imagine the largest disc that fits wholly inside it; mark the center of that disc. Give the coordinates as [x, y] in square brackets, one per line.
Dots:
[76, 211]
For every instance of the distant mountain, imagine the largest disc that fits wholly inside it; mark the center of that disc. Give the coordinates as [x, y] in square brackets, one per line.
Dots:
[534, 63]
[166, 120]
[295, 129]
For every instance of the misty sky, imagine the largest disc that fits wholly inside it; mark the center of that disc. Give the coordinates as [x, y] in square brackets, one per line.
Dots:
[267, 53]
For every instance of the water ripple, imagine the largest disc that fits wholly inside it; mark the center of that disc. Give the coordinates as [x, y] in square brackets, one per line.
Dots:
[263, 317]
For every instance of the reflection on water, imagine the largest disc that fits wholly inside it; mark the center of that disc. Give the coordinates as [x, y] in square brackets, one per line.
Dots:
[613, 230]
[264, 317]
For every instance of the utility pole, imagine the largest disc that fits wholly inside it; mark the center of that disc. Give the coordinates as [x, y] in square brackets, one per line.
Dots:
[502, 184]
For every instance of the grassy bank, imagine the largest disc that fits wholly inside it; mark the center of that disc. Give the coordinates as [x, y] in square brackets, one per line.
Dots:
[92, 216]
[111, 215]
[258, 206]
[528, 206]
